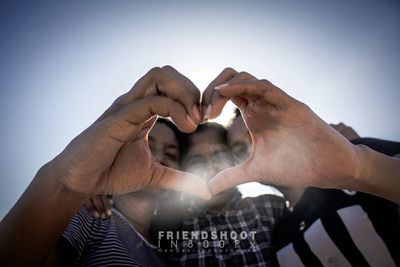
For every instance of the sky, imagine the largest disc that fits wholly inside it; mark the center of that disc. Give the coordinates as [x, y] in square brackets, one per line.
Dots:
[63, 63]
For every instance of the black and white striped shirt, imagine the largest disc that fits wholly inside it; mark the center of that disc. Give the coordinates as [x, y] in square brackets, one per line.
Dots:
[108, 242]
[341, 227]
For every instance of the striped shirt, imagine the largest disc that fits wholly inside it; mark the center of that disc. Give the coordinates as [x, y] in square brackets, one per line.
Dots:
[341, 228]
[108, 242]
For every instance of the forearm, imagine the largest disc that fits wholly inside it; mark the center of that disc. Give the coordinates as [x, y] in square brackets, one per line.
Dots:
[34, 225]
[378, 174]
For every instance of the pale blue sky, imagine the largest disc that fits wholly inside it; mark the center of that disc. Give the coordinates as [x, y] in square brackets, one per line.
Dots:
[64, 63]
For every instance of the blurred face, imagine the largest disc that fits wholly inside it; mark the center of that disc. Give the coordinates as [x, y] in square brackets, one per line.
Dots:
[207, 154]
[164, 145]
[239, 140]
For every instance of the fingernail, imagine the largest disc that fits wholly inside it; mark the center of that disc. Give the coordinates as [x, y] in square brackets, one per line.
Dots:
[191, 122]
[196, 113]
[208, 112]
[108, 212]
[221, 86]
[95, 214]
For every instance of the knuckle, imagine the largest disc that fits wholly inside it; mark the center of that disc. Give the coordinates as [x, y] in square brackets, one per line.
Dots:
[119, 101]
[155, 71]
[229, 70]
[265, 81]
[168, 67]
[303, 106]
[243, 74]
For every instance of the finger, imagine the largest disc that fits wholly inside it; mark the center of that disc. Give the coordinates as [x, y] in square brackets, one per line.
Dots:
[92, 210]
[229, 178]
[239, 101]
[107, 205]
[169, 178]
[185, 92]
[223, 77]
[98, 207]
[218, 102]
[217, 105]
[166, 81]
[128, 122]
[189, 84]
[262, 88]
[148, 125]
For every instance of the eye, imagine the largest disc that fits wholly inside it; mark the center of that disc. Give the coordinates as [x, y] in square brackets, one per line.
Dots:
[172, 156]
[171, 153]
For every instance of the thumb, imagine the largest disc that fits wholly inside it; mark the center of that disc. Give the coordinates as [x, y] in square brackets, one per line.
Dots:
[181, 181]
[229, 178]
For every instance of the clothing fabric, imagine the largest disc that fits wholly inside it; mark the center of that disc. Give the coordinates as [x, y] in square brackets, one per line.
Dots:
[108, 242]
[229, 246]
[341, 227]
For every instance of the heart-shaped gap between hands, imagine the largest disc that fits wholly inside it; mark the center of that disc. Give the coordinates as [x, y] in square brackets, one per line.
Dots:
[112, 156]
[287, 137]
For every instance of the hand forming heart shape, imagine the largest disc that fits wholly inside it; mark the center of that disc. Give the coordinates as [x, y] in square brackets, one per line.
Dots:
[112, 156]
[290, 146]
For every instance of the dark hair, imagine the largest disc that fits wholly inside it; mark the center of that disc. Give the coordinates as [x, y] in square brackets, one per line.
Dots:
[220, 129]
[237, 115]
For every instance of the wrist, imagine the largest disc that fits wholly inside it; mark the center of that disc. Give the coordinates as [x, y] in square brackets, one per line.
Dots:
[55, 175]
[362, 158]
[363, 170]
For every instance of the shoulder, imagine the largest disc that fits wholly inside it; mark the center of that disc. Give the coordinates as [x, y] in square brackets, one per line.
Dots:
[82, 227]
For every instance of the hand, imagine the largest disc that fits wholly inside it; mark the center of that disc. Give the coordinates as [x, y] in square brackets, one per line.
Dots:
[291, 145]
[112, 156]
[100, 206]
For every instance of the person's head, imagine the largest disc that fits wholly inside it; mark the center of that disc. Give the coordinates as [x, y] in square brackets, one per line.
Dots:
[165, 142]
[239, 139]
[207, 151]
[207, 154]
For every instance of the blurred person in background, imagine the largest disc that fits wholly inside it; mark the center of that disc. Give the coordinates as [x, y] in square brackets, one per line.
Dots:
[227, 212]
